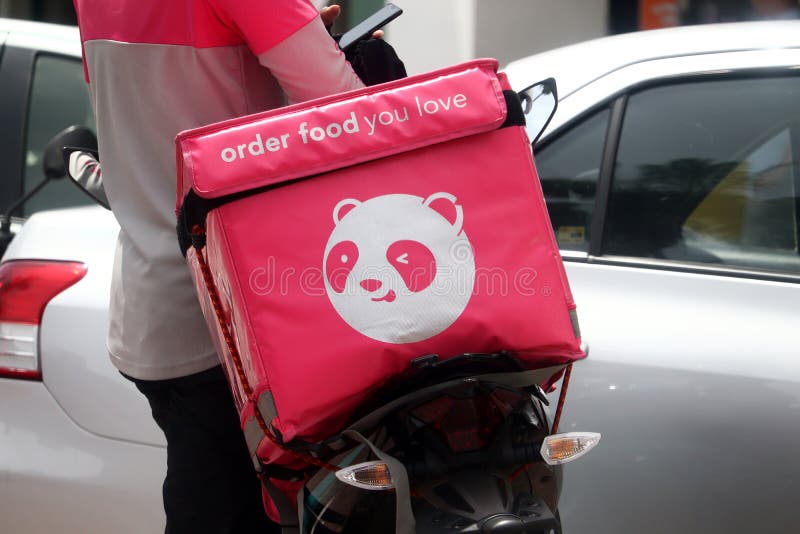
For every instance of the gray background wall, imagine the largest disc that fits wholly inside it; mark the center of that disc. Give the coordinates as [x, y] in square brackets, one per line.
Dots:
[435, 33]
[511, 29]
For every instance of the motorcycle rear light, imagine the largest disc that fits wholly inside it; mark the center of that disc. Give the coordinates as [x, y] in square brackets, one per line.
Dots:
[563, 448]
[367, 475]
[466, 424]
[26, 286]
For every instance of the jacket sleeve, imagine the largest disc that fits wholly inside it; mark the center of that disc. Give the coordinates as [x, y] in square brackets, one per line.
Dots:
[308, 64]
[262, 24]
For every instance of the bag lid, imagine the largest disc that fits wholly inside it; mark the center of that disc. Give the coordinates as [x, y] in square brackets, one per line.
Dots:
[340, 130]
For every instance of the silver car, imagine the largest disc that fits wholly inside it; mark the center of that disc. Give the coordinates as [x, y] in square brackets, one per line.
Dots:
[671, 174]
[79, 451]
[670, 170]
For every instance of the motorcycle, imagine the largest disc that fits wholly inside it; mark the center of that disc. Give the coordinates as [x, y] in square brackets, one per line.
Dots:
[457, 445]
[473, 437]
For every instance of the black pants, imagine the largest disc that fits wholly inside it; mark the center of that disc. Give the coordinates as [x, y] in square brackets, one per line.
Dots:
[211, 486]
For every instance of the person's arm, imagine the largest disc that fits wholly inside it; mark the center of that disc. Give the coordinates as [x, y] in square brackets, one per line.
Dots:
[291, 41]
[308, 64]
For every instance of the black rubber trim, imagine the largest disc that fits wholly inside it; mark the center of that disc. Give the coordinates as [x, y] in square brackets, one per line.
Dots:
[794, 139]
[515, 116]
[195, 208]
[730, 271]
[606, 176]
[16, 75]
[284, 473]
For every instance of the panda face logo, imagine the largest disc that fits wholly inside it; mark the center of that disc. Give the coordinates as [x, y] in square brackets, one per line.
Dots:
[399, 268]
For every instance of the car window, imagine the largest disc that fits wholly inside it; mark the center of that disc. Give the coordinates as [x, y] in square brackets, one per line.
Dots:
[568, 169]
[708, 172]
[59, 98]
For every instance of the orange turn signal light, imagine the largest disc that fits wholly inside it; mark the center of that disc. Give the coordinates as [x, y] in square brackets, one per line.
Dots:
[563, 448]
[367, 475]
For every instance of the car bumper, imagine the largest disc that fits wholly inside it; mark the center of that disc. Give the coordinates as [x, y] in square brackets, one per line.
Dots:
[57, 477]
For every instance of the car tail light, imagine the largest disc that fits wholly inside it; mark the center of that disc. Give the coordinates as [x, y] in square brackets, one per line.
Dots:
[26, 286]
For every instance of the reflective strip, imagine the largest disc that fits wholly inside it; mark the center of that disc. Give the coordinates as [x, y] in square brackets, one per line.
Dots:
[573, 318]
[19, 346]
[253, 436]
[266, 405]
[287, 512]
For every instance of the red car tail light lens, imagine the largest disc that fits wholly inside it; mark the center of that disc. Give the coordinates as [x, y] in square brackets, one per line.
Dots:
[26, 286]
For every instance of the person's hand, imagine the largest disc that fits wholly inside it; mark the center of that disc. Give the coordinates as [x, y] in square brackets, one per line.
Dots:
[330, 13]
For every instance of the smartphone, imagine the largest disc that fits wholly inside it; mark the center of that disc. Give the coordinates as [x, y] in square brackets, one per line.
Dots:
[364, 29]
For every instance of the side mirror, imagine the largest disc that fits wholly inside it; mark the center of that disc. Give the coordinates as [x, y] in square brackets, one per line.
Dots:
[54, 169]
[53, 160]
[83, 168]
[57, 155]
[539, 102]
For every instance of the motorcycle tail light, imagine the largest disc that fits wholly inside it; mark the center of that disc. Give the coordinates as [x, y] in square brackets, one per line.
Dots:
[467, 424]
[563, 448]
[367, 475]
[26, 286]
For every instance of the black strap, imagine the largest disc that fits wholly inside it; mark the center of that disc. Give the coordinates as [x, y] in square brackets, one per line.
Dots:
[284, 473]
[318, 450]
[195, 208]
[515, 116]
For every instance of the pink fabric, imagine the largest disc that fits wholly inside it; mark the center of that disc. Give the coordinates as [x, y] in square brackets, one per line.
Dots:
[202, 23]
[263, 24]
[333, 284]
[157, 68]
[280, 145]
[319, 367]
[290, 63]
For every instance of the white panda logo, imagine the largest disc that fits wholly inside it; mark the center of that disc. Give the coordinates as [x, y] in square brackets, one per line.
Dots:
[396, 269]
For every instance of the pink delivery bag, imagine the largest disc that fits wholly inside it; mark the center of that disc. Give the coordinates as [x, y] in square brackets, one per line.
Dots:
[347, 236]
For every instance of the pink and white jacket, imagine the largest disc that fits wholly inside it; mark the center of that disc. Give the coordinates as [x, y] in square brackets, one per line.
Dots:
[154, 69]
